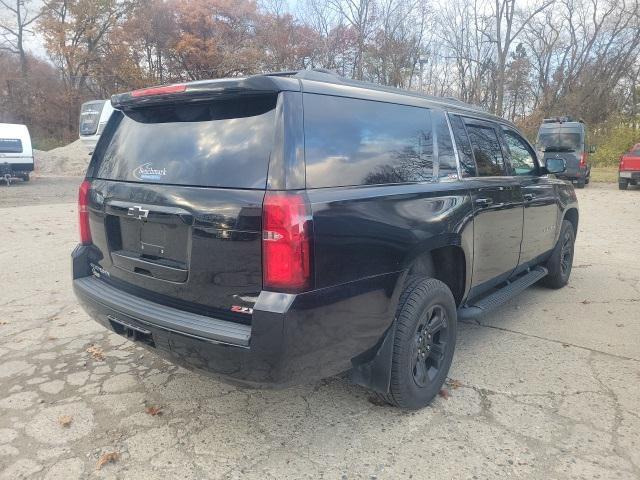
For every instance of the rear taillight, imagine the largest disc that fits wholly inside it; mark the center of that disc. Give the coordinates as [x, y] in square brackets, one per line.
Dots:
[162, 90]
[286, 242]
[83, 213]
[583, 159]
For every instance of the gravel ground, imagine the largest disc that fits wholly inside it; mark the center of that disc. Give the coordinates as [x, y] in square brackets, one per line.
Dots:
[548, 386]
[40, 190]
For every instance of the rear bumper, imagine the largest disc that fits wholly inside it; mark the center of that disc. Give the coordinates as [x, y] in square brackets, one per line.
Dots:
[574, 175]
[292, 339]
[15, 167]
[629, 174]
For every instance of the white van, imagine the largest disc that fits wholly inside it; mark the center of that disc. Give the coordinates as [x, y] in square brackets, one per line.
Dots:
[94, 115]
[16, 154]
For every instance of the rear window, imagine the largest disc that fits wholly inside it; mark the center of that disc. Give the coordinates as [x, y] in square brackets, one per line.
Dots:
[90, 116]
[10, 145]
[360, 142]
[214, 144]
[559, 140]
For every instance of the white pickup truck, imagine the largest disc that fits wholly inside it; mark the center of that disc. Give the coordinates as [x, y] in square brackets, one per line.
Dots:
[16, 154]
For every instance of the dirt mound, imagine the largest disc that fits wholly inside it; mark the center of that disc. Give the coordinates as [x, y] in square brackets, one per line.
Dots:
[71, 160]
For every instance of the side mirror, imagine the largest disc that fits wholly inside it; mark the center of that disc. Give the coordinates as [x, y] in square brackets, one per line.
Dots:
[592, 149]
[556, 165]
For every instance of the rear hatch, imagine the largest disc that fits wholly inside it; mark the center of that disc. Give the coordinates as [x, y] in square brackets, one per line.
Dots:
[630, 161]
[90, 117]
[176, 202]
[562, 142]
[15, 145]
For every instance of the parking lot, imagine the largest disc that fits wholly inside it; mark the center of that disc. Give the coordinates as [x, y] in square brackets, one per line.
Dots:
[548, 386]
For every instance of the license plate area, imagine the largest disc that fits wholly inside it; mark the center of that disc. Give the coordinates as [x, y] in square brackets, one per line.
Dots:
[157, 245]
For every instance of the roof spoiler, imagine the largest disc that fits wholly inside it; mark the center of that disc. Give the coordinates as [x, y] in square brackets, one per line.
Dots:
[205, 90]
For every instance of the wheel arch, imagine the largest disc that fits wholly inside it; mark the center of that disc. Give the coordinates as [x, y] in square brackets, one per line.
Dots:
[573, 216]
[447, 263]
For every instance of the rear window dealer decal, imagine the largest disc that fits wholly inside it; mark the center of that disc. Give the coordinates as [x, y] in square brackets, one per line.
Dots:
[147, 172]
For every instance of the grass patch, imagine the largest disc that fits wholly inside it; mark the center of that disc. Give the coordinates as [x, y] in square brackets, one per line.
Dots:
[604, 174]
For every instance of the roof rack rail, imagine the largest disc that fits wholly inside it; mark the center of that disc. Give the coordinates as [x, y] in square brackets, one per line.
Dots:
[285, 73]
[562, 119]
[330, 76]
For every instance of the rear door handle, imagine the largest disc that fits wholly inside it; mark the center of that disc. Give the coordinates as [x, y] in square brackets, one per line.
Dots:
[484, 202]
[529, 196]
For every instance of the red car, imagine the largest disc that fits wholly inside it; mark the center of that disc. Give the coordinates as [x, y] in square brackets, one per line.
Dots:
[629, 170]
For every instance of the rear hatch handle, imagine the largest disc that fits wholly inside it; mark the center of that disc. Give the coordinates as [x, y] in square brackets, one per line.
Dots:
[141, 211]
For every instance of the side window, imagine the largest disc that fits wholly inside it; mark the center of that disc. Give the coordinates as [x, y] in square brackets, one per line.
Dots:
[361, 142]
[464, 147]
[486, 150]
[522, 157]
[447, 168]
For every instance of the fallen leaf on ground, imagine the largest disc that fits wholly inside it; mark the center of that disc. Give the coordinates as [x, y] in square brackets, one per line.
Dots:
[96, 352]
[65, 420]
[110, 457]
[455, 384]
[444, 393]
[153, 411]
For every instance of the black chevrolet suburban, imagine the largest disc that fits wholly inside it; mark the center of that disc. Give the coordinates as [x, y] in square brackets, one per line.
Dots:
[277, 229]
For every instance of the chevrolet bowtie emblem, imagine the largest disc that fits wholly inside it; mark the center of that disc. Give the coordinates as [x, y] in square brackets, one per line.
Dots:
[137, 212]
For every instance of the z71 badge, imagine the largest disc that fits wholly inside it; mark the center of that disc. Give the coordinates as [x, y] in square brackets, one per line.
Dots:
[239, 309]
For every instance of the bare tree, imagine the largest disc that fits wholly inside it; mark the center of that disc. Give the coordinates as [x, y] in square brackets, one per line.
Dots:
[506, 32]
[360, 15]
[16, 24]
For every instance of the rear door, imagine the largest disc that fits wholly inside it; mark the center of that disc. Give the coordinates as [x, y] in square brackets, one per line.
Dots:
[497, 201]
[565, 142]
[90, 117]
[176, 202]
[15, 146]
[541, 208]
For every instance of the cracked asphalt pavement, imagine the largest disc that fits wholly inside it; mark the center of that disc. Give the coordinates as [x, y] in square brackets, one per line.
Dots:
[548, 386]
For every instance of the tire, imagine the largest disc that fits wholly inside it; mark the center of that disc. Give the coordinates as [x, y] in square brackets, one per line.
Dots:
[25, 177]
[423, 344]
[623, 184]
[580, 183]
[561, 260]
[587, 180]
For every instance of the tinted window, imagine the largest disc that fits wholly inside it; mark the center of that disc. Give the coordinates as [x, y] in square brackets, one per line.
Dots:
[486, 150]
[217, 144]
[90, 116]
[522, 159]
[360, 142]
[559, 140]
[447, 167]
[464, 147]
[10, 145]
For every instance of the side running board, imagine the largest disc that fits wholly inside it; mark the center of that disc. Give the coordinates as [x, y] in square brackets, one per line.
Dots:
[502, 295]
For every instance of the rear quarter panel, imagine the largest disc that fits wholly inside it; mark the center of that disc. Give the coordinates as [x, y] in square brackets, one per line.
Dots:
[373, 230]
